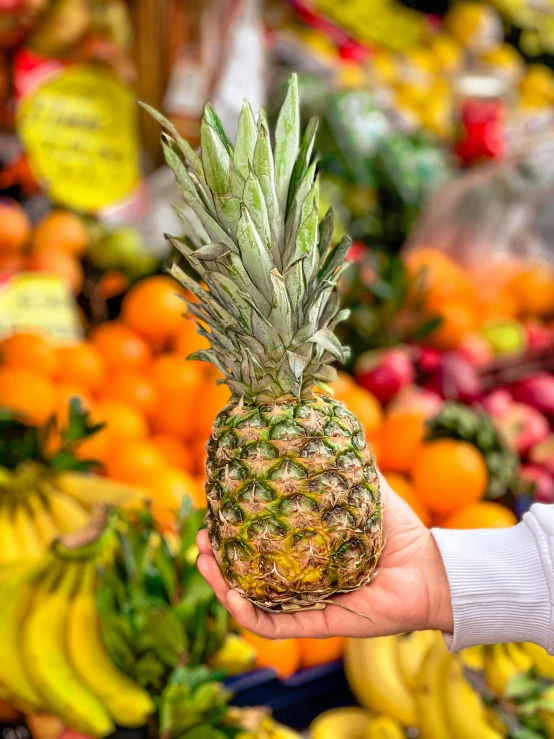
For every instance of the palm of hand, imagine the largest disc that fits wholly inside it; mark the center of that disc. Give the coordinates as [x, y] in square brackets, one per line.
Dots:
[398, 599]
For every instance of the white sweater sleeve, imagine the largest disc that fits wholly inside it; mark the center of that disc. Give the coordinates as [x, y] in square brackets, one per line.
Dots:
[501, 581]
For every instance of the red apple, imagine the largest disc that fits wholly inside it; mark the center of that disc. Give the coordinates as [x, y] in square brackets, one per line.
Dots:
[498, 403]
[384, 373]
[455, 379]
[9, 714]
[476, 350]
[523, 426]
[429, 359]
[537, 391]
[43, 726]
[539, 337]
[415, 399]
[357, 252]
[541, 482]
[70, 734]
[543, 454]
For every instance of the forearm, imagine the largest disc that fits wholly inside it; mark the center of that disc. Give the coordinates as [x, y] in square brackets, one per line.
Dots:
[501, 582]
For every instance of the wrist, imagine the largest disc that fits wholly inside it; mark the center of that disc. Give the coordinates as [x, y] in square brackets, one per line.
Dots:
[439, 601]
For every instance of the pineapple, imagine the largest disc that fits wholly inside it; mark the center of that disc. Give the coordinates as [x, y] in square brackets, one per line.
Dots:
[294, 513]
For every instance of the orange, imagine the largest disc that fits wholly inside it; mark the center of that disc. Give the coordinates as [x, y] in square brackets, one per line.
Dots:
[343, 385]
[153, 307]
[282, 655]
[440, 277]
[175, 377]
[365, 406]
[28, 393]
[174, 451]
[319, 651]
[15, 228]
[448, 474]
[482, 515]
[199, 456]
[11, 262]
[30, 350]
[175, 418]
[134, 388]
[533, 289]
[401, 437]
[375, 447]
[95, 448]
[403, 488]
[136, 462]
[58, 263]
[122, 348]
[210, 399]
[63, 231]
[123, 422]
[66, 392]
[501, 305]
[187, 341]
[82, 364]
[170, 485]
[458, 320]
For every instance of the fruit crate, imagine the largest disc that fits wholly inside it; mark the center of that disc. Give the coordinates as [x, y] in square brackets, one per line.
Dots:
[297, 700]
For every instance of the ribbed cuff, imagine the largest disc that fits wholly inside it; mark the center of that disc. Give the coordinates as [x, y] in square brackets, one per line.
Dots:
[498, 585]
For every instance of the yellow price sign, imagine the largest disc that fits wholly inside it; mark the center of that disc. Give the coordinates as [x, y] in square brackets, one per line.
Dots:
[80, 132]
[33, 300]
[382, 22]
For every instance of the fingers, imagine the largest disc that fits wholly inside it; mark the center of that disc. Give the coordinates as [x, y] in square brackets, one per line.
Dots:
[210, 571]
[203, 542]
[271, 626]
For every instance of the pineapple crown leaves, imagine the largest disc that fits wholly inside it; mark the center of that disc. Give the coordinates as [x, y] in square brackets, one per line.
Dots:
[252, 233]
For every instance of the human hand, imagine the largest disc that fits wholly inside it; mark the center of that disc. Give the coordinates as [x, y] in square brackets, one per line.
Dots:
[409, 593]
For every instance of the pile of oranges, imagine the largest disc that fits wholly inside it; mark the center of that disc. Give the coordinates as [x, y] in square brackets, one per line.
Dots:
[133, 376]
[55, 245]
[466, 300]
[443, 481]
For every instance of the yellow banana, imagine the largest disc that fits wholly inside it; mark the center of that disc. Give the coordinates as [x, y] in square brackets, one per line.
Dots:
[411, 650]
[519, 656]
[68, 515]
[340, 723]
[235, 655]
[10, 551]
[373, 674]
[127, 703]
[543, 662]
[473, 657]
[44, 523]
[90, 490]
[43, 637]
[431, 713]
[546, 716]
[499, 668]
[26, 533]
[16, 591]
[384, 727]
[466, 713]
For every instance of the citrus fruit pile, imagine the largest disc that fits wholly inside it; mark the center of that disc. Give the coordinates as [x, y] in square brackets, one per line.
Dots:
[55, 245]
[490, 301]
[134, 377]
[444, 481]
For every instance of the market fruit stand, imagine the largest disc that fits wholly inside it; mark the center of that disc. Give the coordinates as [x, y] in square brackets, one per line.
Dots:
[107, 625]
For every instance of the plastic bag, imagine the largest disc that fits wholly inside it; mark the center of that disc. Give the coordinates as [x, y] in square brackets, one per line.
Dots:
[499, 211]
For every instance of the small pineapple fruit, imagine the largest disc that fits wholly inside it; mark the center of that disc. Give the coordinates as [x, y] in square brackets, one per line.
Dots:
[294, 513]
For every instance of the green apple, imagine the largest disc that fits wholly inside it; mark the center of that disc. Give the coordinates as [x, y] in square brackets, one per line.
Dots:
[505, 336]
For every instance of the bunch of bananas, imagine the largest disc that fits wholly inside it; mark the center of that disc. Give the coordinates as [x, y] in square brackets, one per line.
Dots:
[413, 681]
[37, 505]
[53, 659]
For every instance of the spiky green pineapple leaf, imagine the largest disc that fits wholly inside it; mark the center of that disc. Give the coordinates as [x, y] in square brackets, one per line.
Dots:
[270, 307]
